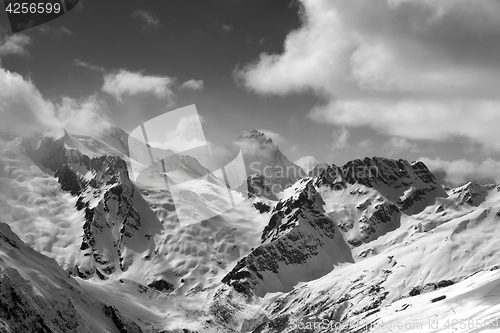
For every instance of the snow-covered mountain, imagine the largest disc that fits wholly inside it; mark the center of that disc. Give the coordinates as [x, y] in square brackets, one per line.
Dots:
[309, 233]
[262, 157]
[366, 246]
[36, 295]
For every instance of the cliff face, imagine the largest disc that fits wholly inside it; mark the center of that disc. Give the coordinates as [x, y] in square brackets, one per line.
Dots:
[300, 243]
[318, 222]
[411, 186]
[114, 210]
[114, 214]
[471, 193]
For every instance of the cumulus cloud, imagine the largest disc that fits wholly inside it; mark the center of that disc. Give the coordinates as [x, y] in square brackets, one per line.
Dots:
[276, 137]
[14, 44]
[149, 19]
[24, 110]
[340, 137]
[417, 119]
[187, 134]
[192, 85]
[461, 171]
[397, 145]
[84, 115]
[123, 83]
[307, 163]
[408, 68]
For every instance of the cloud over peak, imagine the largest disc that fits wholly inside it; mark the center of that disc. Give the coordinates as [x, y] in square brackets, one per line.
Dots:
[275, 136]
[24, 110]
[461, 171]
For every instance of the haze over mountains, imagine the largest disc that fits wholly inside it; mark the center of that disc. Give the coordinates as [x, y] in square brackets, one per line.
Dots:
[375, 245]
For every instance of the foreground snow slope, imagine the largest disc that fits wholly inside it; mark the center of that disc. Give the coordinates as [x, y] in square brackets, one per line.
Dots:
[36, 295]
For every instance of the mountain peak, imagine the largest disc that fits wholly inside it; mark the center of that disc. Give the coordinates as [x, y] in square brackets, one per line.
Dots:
[263, 157]
[256, 136]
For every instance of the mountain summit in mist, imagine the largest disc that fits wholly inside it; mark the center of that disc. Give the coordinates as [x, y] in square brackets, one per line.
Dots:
[263, 157]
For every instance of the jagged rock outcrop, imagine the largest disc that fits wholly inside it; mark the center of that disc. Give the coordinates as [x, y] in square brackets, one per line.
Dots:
[375, 192]
[300, 243]
[471, 193]
[108, 200]
[112, 206]
[411, 186]
[365, 200]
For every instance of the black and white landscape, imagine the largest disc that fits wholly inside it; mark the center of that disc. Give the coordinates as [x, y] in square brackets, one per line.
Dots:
[369, 199]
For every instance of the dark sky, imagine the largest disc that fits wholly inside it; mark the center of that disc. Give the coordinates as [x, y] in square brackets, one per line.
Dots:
[334, 80]
[195, 39]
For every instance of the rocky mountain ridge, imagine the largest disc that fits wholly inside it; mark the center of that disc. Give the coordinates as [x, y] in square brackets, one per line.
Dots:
[366, 242]
[304, 237]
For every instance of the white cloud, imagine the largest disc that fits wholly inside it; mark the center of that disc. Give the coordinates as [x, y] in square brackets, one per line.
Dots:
[22, 107]
[24, 110]
[461, 171]
[187, 134]
[81, 63]
[276, 137]
[408, 68]
[128, 83]
[424, 120]
[192, 85]
[396, 145]
[14, 44]
[307, 163]
[340, 137]
[226, 27]
[83, 115]
[150, 19]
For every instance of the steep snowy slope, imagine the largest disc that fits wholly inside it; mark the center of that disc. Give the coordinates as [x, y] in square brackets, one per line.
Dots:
[300, 243]
[116, 225]
[317, 222]
[124, 242]
[36, 295]
[406, 263]
[445, 245]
